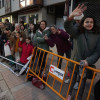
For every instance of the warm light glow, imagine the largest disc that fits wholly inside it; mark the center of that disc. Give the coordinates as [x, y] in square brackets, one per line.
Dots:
[22, 3]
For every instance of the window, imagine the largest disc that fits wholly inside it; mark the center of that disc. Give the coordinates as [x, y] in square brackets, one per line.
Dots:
[29, 2]
[24, 3]
[2, 3]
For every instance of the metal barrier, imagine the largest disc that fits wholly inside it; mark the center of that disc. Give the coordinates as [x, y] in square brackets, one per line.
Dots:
[36, 70]
[21, 70]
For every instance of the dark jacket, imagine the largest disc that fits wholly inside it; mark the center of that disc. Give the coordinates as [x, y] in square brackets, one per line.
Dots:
[61, 41]
[80, 47]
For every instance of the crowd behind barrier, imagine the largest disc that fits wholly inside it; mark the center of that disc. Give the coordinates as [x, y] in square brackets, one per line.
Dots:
[18, 43]
[55, 77]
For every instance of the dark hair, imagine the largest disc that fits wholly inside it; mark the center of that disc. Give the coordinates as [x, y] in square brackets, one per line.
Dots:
[44, 22]
[95, 28]
[21, 22]
[45, 25]
[29, 38]
[34, 30]
[7, 29]
[7, 20]
[23, 26]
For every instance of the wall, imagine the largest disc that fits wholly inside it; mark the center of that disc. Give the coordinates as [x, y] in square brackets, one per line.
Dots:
[50, 2]
[2, 11]
[50, 18]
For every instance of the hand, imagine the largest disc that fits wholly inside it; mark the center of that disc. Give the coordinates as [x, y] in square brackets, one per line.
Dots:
[78, 11]
[85, 62]
[45, 37]
[5, 44]
[21, 38]
[59, 32]
[4, 40]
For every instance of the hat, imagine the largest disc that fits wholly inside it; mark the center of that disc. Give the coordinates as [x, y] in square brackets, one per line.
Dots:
[78, 17]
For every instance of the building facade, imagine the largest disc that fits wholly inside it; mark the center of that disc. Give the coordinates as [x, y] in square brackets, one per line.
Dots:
[32, 10]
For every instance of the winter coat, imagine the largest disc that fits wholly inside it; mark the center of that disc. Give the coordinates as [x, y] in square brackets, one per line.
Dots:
[26, 51]
[3, 37]
[32, 37]
[79, 46]
[39, 39]
[61, 40]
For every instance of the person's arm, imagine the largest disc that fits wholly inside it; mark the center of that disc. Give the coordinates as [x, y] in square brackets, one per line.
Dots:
[50, 42]
[63, 34]
[95, 56]
[41, 39]
[68, 24]
[20, 44]
[38, 39]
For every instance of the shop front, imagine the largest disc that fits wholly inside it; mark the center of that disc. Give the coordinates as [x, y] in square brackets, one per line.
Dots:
[30, 11]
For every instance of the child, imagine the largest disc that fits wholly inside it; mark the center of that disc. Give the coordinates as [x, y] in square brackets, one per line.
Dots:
[27, 49]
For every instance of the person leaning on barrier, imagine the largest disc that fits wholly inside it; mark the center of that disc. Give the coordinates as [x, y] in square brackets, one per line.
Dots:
[86, 42]
[60, 38]
[40, 41]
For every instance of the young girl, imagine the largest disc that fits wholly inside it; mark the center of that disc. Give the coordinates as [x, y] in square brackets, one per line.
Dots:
[86, 42]
[27, 49]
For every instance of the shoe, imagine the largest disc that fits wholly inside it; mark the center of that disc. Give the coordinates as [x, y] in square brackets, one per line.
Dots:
[3, 60]
[7, 61]
[76, 86]
[69, 97]
[67, 81]
[16, 70]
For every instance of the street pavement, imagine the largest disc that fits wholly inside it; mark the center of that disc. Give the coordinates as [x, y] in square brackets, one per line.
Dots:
[18, 88]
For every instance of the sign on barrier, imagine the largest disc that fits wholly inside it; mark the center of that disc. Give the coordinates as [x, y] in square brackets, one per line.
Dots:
[55, 76]
[56, 71]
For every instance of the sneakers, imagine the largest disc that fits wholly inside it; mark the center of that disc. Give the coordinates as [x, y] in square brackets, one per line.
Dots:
[67, 81]
[69, 97]
[76, 86]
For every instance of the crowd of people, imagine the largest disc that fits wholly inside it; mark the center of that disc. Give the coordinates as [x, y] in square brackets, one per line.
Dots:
[84, 32]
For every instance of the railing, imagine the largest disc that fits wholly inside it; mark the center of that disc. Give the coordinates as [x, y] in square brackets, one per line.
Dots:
[36, 70]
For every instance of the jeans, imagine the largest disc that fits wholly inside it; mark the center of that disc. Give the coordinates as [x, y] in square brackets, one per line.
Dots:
[81, 91]
[68, 53]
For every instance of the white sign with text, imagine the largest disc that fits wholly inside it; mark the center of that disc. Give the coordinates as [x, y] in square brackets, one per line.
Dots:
[56, 71]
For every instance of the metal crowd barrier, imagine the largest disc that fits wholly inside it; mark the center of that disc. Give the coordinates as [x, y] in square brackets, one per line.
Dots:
[23, 66]
[55, 79]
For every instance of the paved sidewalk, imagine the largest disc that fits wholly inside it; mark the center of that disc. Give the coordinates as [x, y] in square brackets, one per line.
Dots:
[17, 88]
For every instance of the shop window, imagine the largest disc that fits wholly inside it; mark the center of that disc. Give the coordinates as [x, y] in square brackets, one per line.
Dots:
[22, 3]
[33, 18]
[29, 2]
[23, 18]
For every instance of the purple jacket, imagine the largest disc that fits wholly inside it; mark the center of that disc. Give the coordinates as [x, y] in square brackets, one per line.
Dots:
[61, 41]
